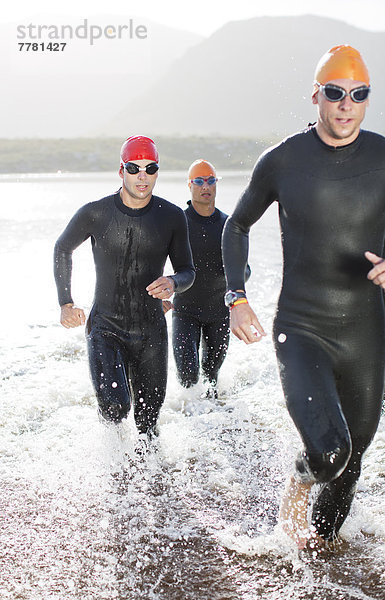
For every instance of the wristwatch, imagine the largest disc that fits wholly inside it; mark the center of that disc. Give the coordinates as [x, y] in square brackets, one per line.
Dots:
[231, 297]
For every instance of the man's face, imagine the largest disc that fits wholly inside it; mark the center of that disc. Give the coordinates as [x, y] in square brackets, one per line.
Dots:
[140, 185]
[339, 122]
[203, 194]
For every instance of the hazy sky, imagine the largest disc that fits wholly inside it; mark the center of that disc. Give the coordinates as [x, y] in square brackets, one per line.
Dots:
[202, 16]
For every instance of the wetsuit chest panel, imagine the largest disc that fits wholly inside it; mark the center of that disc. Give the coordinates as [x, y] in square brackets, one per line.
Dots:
[205, 297]
[131, 240]
[126, 263]
[343, 203]
[130, 248]
[205, 240]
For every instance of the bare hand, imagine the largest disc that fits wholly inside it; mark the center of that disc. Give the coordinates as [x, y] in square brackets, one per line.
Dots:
[72, 316]
[162, 288]
[377, 274]
[167, 305]
[245, 325]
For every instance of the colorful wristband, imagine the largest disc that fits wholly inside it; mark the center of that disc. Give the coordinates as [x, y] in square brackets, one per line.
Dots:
[239, 301]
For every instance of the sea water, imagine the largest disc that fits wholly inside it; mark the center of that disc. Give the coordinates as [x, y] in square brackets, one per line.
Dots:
[81, 515]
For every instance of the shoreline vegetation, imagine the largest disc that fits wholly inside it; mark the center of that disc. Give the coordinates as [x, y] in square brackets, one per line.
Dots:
[77, 155]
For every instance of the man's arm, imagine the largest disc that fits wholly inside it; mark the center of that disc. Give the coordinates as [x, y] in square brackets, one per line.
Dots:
[76, 232]
[235, 247]
[377, 274]
[72, 316]
[180, 255]
[162, 288]
[181, 259]
[245, 325]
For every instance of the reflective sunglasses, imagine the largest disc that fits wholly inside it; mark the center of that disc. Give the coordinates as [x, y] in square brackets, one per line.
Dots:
[133, 169]
[201, 180]
[334, 93]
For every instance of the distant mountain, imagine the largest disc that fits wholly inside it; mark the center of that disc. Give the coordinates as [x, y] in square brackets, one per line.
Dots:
[48, 91]
[250, 78]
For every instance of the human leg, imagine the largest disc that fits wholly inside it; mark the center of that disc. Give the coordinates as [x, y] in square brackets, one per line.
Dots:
[108, 375]
[215, 342]
[293, 511]
[148, 380]
[350, 375]
[307, 376]
[186, 332]
[360, 385]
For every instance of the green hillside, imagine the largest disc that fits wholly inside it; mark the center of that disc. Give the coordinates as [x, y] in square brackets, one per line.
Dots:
[102, 154]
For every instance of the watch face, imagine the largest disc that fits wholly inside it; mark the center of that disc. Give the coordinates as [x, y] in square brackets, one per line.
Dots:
[230, 297]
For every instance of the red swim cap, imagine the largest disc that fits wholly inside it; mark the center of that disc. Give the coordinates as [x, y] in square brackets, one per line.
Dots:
[138, 147]
[341, 62]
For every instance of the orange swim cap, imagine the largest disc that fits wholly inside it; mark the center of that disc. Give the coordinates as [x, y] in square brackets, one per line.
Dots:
[341, 62]
[138, 147]
[201, 168]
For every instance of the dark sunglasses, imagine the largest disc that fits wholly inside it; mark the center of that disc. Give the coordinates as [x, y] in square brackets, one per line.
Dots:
[334, 93]
[201, 180]
[133, 169]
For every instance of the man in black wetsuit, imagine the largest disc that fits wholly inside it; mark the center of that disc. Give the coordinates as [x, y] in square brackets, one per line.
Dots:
[199, 314]
[329, 184]
[132, 233]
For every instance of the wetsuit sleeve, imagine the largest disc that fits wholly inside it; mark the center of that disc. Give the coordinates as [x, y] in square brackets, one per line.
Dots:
[247, 272]
[181, 256]
[76, 232]
[254, 201]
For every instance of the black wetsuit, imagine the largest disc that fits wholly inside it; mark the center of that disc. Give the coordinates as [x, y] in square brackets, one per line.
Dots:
[127, 335]
[200, 313]
[329, 327]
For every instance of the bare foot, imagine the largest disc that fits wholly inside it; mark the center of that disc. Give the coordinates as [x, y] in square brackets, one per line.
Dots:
[293, 513]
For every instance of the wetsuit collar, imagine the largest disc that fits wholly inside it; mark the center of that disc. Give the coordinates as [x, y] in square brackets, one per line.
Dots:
[348, 148]
[197, 217]
[133, 212]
